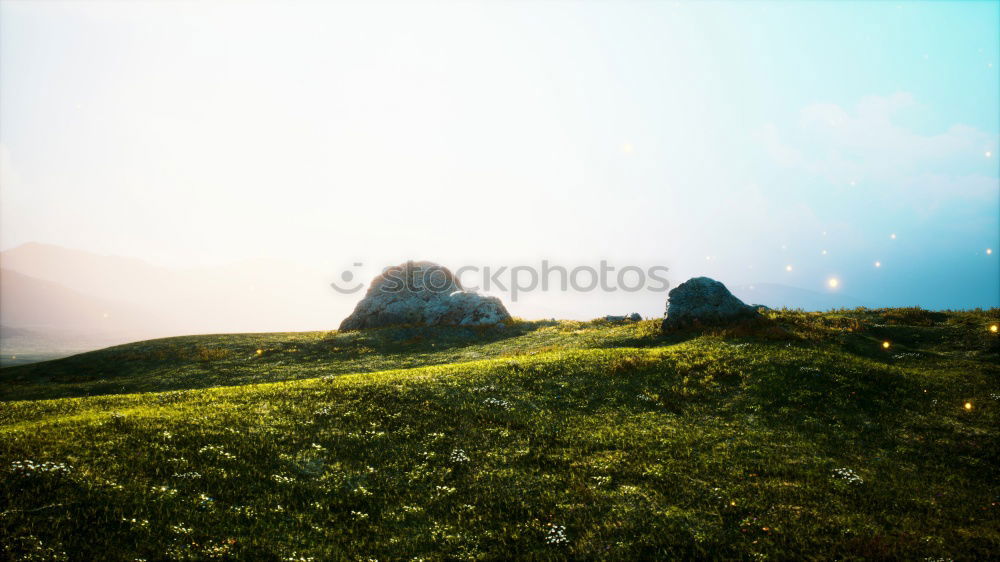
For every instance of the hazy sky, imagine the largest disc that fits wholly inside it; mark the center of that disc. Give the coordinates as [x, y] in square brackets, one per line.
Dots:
[730, 139]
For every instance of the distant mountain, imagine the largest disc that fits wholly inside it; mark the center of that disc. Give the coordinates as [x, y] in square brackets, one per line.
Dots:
[32, 303]
[19, 346]
[104, 277]
[42, 317]
[49, 288]
[774, 295]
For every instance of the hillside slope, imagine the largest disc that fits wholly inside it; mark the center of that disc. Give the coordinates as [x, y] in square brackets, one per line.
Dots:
[801, 439]
[244, 295]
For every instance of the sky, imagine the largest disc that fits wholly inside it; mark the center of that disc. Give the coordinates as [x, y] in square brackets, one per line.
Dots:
[753, 142]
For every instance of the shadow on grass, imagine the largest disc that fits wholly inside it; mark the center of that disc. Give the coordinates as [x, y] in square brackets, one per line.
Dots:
[416, 338]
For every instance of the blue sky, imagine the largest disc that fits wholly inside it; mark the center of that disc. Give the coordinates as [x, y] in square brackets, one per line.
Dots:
[729, 139]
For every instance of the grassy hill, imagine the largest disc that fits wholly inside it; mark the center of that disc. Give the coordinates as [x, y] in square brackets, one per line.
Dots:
[800, 438]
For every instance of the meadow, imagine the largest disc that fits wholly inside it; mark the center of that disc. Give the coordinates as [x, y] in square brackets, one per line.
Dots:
[852, 434]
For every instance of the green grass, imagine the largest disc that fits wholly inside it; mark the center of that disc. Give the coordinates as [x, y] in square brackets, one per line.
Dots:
[236, 359]
[540, 440]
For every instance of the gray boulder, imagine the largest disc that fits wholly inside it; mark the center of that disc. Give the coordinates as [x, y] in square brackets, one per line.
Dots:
[422, 293]
[634, 317]
[701, 301]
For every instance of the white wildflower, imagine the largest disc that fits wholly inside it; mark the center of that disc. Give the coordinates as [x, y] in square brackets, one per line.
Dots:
[847, 475]
[29, 467]
[216, 451]
[503, 404]
[556, 535]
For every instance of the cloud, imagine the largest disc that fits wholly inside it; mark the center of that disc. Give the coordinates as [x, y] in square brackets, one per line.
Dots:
[866, 147]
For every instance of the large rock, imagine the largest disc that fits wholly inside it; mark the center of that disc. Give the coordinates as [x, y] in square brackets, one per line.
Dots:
[701, 301]
[422, 293]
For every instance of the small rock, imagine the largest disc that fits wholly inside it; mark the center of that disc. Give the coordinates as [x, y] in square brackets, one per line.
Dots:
[704, 301]
[634, 317]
